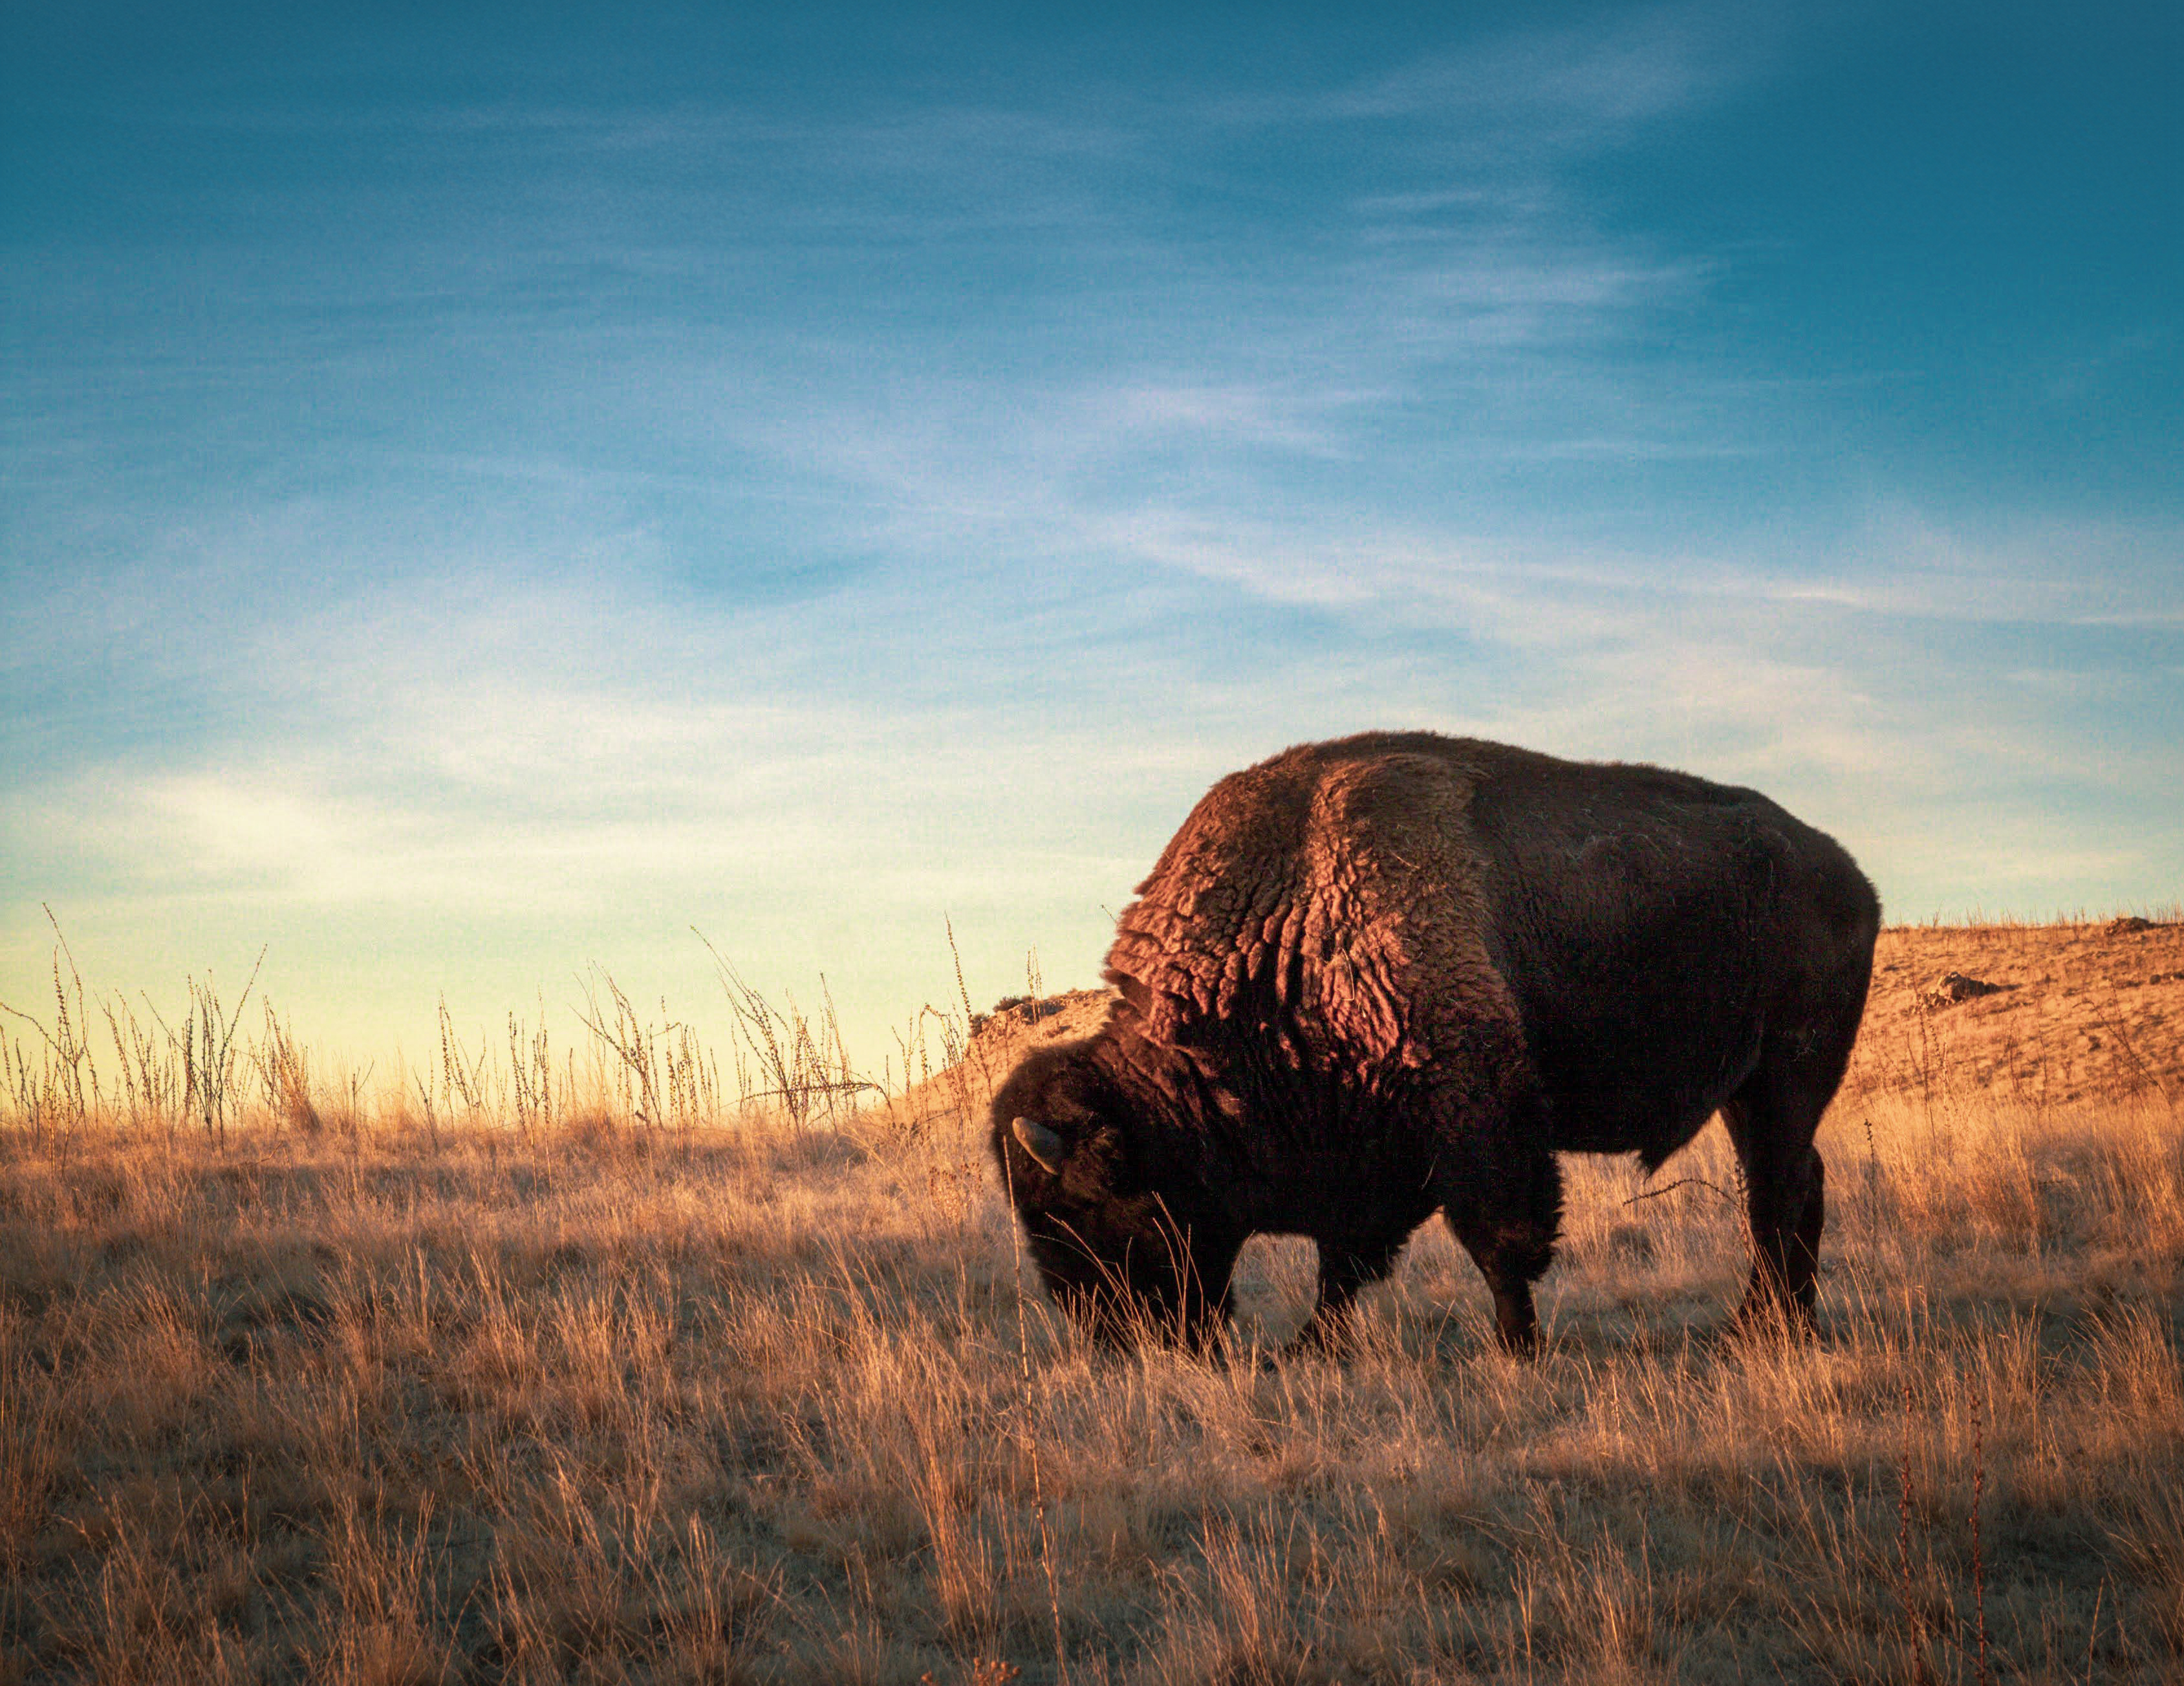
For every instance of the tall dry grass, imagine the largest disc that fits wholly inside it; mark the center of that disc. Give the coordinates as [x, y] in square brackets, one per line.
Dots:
[605, 1365]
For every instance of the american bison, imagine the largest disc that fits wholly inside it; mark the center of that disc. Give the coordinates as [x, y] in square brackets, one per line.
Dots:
[1397, 972]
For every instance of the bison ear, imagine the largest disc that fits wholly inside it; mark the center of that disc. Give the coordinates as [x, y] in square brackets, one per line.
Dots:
[1043, 1145]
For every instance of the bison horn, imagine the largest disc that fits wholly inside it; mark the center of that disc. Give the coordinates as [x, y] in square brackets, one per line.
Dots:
[1043, 1145]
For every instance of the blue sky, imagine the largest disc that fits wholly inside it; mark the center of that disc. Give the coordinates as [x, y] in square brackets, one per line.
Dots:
[485, 493]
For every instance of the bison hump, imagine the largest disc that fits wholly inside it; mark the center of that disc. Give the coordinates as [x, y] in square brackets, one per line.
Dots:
[1335, 906]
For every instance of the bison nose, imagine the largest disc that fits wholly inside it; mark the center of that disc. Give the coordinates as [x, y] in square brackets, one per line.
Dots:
[1043, 1145]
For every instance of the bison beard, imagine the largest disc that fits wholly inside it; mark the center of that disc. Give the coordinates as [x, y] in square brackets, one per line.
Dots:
[1376, 977]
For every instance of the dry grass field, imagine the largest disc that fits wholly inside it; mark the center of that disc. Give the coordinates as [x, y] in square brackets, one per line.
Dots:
[613, 1368]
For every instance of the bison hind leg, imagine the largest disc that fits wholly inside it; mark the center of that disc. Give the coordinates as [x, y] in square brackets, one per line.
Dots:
[1772, 1121]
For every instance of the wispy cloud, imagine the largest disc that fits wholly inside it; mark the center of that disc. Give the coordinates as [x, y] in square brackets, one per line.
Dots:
[495, 528]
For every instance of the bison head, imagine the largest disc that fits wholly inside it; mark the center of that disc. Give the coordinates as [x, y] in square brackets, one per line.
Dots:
[1120, 1246]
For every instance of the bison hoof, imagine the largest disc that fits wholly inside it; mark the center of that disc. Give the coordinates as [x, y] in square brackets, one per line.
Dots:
[1769, 1319]
[1233, 1352]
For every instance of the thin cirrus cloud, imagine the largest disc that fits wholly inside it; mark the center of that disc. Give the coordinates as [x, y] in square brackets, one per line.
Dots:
[461, 530]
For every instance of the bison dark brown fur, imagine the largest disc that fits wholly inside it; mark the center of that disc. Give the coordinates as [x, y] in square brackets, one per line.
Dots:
[1394, 973]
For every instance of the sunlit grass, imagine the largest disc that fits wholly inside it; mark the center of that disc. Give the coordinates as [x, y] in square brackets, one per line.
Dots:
[580, 1381]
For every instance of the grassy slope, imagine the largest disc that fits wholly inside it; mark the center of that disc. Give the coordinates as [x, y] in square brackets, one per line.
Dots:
[588, 1402]
[2080, 1011]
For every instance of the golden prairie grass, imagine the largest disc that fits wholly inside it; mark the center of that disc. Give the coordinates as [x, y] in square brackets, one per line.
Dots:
[440, 1392]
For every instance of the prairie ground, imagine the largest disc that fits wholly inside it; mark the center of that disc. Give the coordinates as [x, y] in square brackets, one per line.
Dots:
[626, 1382]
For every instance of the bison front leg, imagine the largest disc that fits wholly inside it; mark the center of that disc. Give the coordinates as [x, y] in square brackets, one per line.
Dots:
[1194, 1304]
[1344, 1269]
